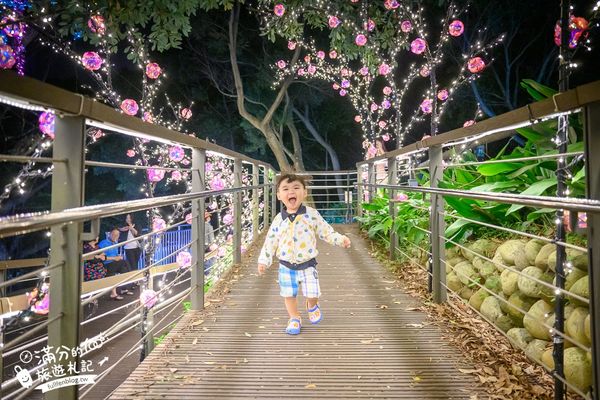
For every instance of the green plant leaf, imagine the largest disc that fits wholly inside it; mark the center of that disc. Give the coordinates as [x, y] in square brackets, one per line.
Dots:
[536, 189]
[498, 168]
[532, 216]
[495, 186]
[578, 176]
[545, 91]
[456, 227]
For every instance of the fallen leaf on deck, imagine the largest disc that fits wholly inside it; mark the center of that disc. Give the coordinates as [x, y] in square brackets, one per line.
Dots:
[261, 327]
[209, 362]
[310, 386]
[416, 378]
[196, 323]
[367, 341]
[411, 309]
[173, 370]
[415, 325]
[469, 371]
[195, 341]
[247, 334]
[382, 306]
[245, 360]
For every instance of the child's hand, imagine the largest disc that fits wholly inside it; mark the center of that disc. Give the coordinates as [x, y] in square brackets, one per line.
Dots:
[261, 268]
[346, 242]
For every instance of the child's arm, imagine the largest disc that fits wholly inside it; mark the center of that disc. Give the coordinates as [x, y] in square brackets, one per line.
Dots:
[328, 234]
[265, 259]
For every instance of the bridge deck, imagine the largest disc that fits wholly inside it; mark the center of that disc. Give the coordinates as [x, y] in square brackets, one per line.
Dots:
[370, 344]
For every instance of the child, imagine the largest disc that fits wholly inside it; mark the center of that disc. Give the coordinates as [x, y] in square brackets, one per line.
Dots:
[292, 238]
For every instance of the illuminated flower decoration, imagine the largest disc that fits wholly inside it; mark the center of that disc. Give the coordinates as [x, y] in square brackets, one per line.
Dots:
[148, 298]
[335, 86]
[401, 197]
[442, 94]
[213, 205]
[360, 39]
[343, 92]
[312, 69]
[301, 72]
[97, 134]
[369, 25]
[281, 64]
[385, 137]
[186, 113]
[184, 259]
[387, 90]
[176, 153]
[158, 224]
[129, 107]
[386, 104]
[333, 21]
[291, 45]
[228, 219]
[213, 247]
[321, 54]
[208, 167]
[345, 72]
[130, 153]
[391, 4]
[371, 152]
[405, 26]
[357, 118]
[153, 70]
[364, 71]
[307, 58]
[46, 122]
[424, 71]
[426, 106]
[14, 29]
[382, 124]
[333, 54]
[456, 28]
[97, 25]
[418, 46]
[476, 64]
[384, 69]
[374, 107]
[188, 218]
[345, 83]
[577, 28]
[216, 183]
[221, 252]
[91, 60]
[469, 123]
[155, 174]
[279, 10]
[147, 117]
[366, 144]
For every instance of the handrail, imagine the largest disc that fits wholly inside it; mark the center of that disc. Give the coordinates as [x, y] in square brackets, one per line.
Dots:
[34, 92]
[15, 225]
[558, 104]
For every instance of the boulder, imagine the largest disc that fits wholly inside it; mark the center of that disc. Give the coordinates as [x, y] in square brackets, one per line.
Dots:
[530, 287]
[541, 260]
[535, 319]
[466, 292]
[586, 328]
[577, 258]
[519, 337]
[581, 289]
[509, 282]
[578, 368]
[575, 325]
[466, 272]
[453, 282]
[513, 253]
[532, 248]
[535, 349]
[490, 308]
[477, 298]
[518, 301]
[493, 283]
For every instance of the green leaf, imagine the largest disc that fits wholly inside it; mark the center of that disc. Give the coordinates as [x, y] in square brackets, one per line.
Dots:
[545, 91]
[532, 216]
[521, 171]
[498, 168]
[495, 186]
[456, 227]
[536, 189]
[578, 176]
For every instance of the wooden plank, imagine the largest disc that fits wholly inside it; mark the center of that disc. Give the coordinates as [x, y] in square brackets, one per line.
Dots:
[367, 346]
[24, 263]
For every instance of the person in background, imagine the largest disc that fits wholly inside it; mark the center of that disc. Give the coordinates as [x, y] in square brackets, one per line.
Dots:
[133, 251]
[210, 247]
[114, 262]
[94, 266]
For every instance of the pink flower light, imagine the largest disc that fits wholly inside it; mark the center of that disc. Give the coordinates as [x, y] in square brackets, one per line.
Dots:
[333, 21]
[153, 70]
[291, 45]
[186, 113]
[385, 137]
[333, 54]
[369, 25]
[281, 64]
[456, 28]
[321, 54]
[130, 153]
[418, 46]
[307, 58]
[386, 104]
[155, 174]
[345, 83]
[176, 153]
[426, 106]
[360, 40]
[46, 123]
[364, 71]
[216, 183]
[442, 94]
[158, 224]
[374, 107]
[228, 219]
[7, 57]
[91, 60]
[301, 72]
[176, 176]
[424, 71]
[391, 4]
[184, 259]
[148, 298]
[401, 197]
[357, 118]
[469, 123]
[387, 90]
[406, 26]
[312, 69]
[382, 124]
[475, 65]
[97, 25]
[129, 106]
[343, 92]
[279, 10]
[147, 117]
[335, 86]
[188, 218]
[384, 69]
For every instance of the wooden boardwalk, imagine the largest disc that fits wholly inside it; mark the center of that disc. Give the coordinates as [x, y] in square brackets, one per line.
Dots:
[370, 344]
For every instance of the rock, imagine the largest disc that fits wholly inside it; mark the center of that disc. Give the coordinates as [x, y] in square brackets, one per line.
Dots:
[509, 282]
[586, 328]
[519, 301]
[541, 260]
[535, 319]
[493, 283]
[582, 289]
[466, 292]
[498, 262]
[532, 248]
[453, 282]
[504, 323]
[452, 252]
[466, 253]
[577, 258]
[513, 253]
[528, 286]
[453, 261]
[519, 337]
[490, 308]
[466, 272]
[548, 359]
[575, 325]
[477, 298]
[572, 277]
[484, 267]
[485, 247]
[535, 349]
[578, 368]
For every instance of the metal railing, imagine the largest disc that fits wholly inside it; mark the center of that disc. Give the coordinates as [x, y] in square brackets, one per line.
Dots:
[432, 206]
[251, 183]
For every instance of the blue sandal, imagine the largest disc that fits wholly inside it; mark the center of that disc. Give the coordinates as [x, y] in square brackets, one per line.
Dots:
[294, 325]
[314, 314]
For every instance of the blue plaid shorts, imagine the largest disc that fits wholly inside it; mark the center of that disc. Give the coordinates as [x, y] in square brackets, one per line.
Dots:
[289, 279]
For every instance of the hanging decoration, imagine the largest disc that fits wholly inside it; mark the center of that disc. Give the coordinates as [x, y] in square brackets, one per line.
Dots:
[129, 107]
[148, 298]
[184, 259]
[91, 60]
[456, 28]
[153, 70]
[476, 65]
[46, 122]
[97, 25]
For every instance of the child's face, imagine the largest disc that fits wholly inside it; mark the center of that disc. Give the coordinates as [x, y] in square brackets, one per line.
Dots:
[292, 194]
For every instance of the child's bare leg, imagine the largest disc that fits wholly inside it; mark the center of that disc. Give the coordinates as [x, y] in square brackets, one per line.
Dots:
[291, 305]
[312, 301]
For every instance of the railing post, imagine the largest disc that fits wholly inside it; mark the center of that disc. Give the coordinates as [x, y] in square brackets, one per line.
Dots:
[371, 181]
[273, 197]
[65, 282]
[198, 229]
[359, 190]
[255, 202]
[266, 199]
[592, 176]
[237, 207]
[436, 223]
[393, 180]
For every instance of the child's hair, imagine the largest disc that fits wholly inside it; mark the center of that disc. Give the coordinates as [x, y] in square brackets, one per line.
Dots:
[303, 179]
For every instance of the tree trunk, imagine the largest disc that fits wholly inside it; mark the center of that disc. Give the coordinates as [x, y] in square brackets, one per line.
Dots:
[298, 162]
